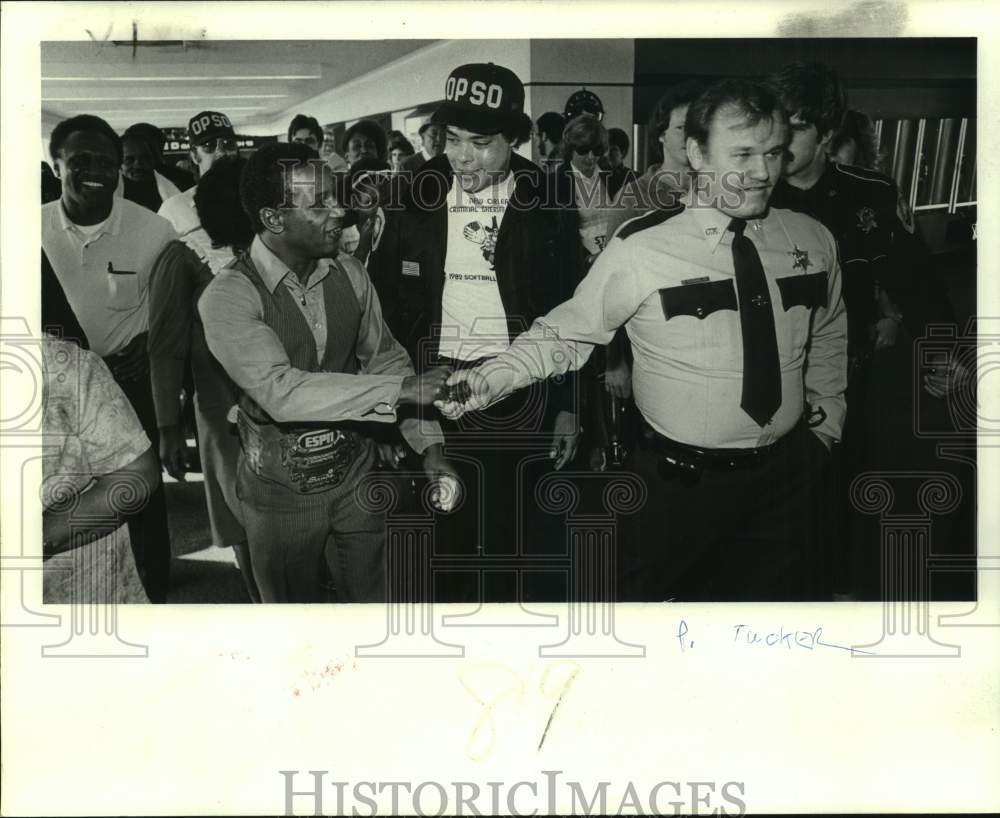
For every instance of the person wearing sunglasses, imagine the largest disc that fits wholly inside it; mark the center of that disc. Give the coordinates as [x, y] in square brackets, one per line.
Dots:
[211, 137]
[582, 192]
[585, 142]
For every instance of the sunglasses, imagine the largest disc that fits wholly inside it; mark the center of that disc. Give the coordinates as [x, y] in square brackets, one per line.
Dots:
[583, 150]
[223, 143]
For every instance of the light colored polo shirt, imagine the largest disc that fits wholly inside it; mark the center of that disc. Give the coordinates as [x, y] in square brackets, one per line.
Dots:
[106, 275]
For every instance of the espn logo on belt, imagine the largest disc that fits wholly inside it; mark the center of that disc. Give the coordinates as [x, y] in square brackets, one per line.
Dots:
[198, 126]
[313, 441]
[478, 92]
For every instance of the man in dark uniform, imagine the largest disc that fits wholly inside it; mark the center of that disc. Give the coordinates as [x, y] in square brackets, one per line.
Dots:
[737, 325]
[888, 281]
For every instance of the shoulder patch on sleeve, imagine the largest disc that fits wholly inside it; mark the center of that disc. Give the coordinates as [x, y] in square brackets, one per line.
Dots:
[647, 220]
[865, 175]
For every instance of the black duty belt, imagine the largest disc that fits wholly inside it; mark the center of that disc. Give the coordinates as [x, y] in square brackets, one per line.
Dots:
[695, 459]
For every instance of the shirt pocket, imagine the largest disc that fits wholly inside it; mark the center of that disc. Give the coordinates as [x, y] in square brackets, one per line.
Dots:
[124, 290]
[807, 291]
[702, 324]
[698, 300]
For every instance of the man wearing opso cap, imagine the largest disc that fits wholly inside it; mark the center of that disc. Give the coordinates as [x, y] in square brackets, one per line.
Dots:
[298, 327]
[210, 135]
[482, 258]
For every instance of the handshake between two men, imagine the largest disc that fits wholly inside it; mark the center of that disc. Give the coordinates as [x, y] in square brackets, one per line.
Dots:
[477, 388]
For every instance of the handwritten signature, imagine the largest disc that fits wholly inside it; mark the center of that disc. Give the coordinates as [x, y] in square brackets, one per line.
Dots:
[805, 639]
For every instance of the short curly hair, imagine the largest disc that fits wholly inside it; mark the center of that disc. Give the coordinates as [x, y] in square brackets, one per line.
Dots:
[371, 129]
[814, 92]
[82, 122]
[217, 201]
[263, 180]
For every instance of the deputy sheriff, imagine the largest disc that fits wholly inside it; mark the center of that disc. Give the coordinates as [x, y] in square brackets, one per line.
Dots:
[735, 315]
[889, 281]
[299, 329]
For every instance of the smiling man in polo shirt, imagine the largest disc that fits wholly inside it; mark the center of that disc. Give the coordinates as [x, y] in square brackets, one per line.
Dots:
[101, 249]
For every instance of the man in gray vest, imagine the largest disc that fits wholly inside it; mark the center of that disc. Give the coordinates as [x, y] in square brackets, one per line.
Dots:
[299, 329]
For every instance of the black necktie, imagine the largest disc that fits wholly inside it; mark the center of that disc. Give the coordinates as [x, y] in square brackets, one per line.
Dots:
[761, 366]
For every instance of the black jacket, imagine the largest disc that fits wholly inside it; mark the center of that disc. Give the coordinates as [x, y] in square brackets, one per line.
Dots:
[861, 209]
[536, 255]
[537, 258]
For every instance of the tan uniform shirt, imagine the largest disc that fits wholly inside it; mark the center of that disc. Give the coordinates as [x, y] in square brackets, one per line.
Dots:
[669, 278]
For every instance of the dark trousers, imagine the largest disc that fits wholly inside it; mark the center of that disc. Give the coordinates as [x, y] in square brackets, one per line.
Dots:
[148, 530]
[746, 534]
[492, 548]
[298, 542]
[844, 540]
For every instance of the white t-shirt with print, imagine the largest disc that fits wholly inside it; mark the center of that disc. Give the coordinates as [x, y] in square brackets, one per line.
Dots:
[592, 205]
[473, 319]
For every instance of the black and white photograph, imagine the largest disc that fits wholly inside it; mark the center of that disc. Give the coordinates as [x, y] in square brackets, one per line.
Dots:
[534, 398]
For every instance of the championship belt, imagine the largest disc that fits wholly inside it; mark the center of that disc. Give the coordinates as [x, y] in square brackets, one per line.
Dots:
[306, 459]
[318, 459]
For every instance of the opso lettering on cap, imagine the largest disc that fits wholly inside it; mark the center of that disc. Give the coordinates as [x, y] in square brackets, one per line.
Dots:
[478, 92]
[209, 120]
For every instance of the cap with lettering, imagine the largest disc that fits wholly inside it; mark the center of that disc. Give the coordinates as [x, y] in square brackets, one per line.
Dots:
[209, 125]
[481, 97]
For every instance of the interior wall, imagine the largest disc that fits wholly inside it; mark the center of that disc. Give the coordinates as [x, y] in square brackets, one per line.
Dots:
[413, 80]
[560, 67]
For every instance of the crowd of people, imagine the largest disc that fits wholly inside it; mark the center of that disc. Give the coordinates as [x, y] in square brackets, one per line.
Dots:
[315, 315]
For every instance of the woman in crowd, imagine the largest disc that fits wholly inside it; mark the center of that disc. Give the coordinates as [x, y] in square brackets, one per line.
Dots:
[365, 139]
[581, 188]
[176, 336]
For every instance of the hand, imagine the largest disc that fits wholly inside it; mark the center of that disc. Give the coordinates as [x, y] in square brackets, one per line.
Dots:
[565, 438]
[618, 380]
[886, 331]
[389, 455]
[447, 489]
[425, 389]
[943, 382]
[173, 451]
[130, 363]
[825, 439]
[468, 390]
[598, 459]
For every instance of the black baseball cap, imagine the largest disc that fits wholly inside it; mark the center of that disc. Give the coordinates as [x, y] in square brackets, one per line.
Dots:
[584, 102]
[482, 98]
[209, 125]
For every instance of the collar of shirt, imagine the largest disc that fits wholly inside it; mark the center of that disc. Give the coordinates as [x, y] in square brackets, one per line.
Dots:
[713, 223]
[273, 270]
[112, 225]
[588, 182]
